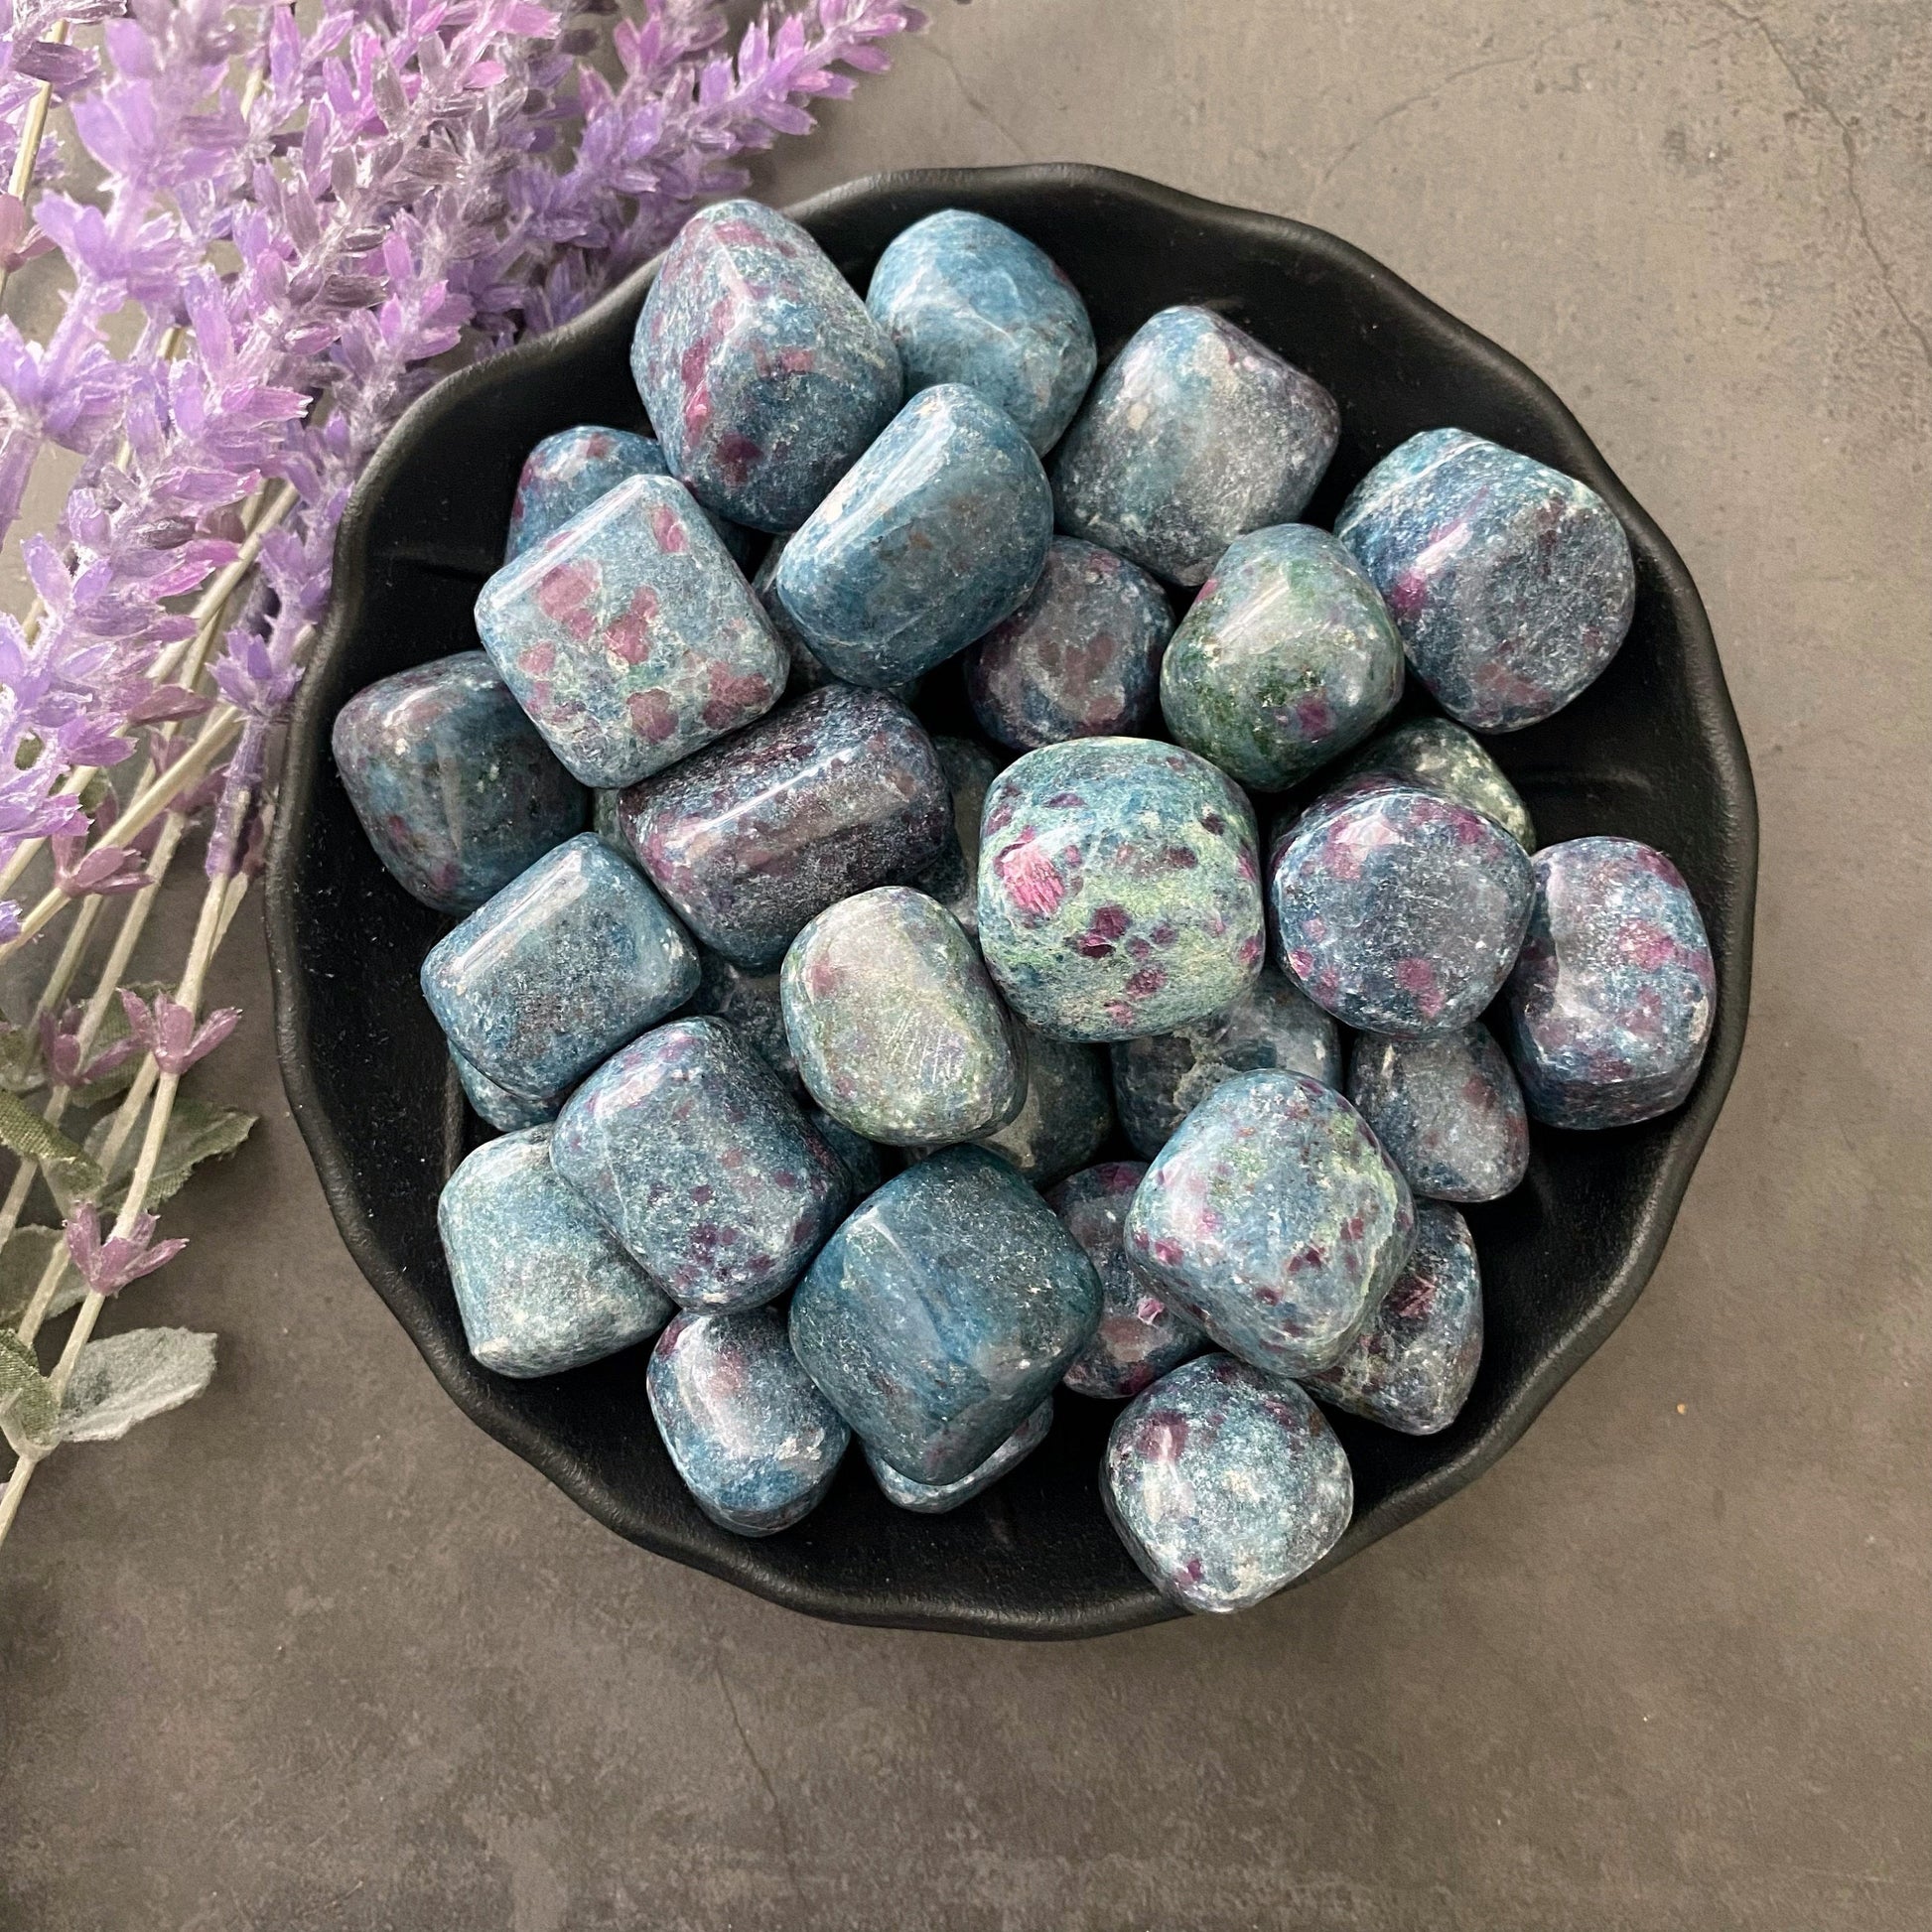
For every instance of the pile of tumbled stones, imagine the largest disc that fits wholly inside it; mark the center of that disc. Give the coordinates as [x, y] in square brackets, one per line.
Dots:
[772, 994]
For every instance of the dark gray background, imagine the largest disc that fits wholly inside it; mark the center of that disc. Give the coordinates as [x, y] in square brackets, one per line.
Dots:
[314, 1652]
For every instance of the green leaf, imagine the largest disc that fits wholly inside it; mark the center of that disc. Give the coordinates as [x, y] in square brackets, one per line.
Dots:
[197, 1132]
[76, 1173]
[128, 1378]
[113, 1027]
[28, 1418]
[22, 1263]
[20, 1059]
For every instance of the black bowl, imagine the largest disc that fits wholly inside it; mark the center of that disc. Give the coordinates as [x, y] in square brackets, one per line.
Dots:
[1651, 751]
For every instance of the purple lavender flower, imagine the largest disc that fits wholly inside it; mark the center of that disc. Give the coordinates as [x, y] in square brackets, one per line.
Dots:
[108, 1265]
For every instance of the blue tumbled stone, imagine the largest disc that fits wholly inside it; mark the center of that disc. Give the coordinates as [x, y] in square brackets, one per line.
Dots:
[966, 300]
[807, 673]
[765, 376]
[702, 1165]
[1224, 1484]
[498, 1105]
[932, 536]
[453, 785]
[1066, 1115]
[749, 1004]
[864, 1161]
[943, 1313]
[1511, 584]
[563, 966]
[754, 1443]
[1194, 434]
[936, 1499]
[1447, 1109]
[541, 1284]
[1611, 1005]
[1435, 755]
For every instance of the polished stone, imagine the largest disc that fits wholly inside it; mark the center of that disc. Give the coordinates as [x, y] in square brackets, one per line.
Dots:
[453, 785]
[498, 1105]
[1119, 890]
[864, 1161]
[1438, 756]
[1066, 1115]
[954, 880]
[748, 1003]
[1447, 1109]
[936, 1499]
[806, 673]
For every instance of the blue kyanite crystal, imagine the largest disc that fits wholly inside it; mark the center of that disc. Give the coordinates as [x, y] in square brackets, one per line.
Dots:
[967, 300]
[749, 1004]
[1194, 434]
[954, 879]
[1434, 754]
[1273, 1219]
[565, 964]
[748, 840]
[936, 1499]
[501, 1109]
[1412, 1367]
[932, 536]
[541, 1284]
[1286, 659]
[896, 1027]
[453, 785]
[629, 637]
[1611, 1005]
[1119, 889]
[764, 374]
[1511, 583]
[1066, 1115]
[807, 673]
[1140, 1337]
[943, 1313]
[1161, 1078]
[1224, 1484]
[1080, 659]
[755, 1443]
[864, 1161]
[1400, 912]
[690, 1148]
[1447, 1109]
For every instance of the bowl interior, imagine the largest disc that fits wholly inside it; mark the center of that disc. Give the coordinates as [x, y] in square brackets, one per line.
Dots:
[1650, 751]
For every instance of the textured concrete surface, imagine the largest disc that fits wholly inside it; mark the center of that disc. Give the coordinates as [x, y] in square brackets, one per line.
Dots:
[314, 1652]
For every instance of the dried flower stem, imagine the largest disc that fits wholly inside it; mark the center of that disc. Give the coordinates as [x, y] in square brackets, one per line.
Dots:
[33, 126]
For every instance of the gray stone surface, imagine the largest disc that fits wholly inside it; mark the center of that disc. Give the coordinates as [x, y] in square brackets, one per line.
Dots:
[314, 1652]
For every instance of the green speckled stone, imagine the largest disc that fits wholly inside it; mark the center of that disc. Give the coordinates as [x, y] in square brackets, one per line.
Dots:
[1444, 759]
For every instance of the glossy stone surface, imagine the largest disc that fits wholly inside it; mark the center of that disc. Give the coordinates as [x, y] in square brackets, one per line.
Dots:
[1436, 756]
[965, 299]
[806, 673]
[931, 537]
[702, 1165]
[541, 1284]
[1412, 1367]
[1400, 912]
[954, 880]
[1119, 891]
[501, 1109]
[1161, 1078]
[1066, 1115]
[1273, 1219]
[1080, 659]
[754, 1443]
[749, 1004]
[764, 374]
[1225, 1485]
[1138, 1338]
[453, 785]
[936, 1499]
[1285, 659]
[864, 1161]
[563, 966]
[1447, 1109]
[839, 791]
[1610, 1007]
[1194, 433]
[1511, 583]
[895, 1025]
[943, 1313]
[629, 637]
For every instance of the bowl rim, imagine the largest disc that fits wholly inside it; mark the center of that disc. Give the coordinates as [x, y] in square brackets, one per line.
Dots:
[1702, 674]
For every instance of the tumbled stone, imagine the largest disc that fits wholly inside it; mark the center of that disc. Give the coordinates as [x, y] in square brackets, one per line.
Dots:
[765, 376]
[1194, 434]
[806, 673]
[931, 537]
[1066, 1115]
[895, 1025]
[498, 1105]
[1611, 1003]
[1447, 1109]
[1138, 1338]
[1400, 912]
[541, 1284]
[563, 966]
[1273, 1219]
[607, 821]
[453, 785]
[749, 1004]
[837, 792]
[1511, 584]
[967, 300]
[753, 1439]
[702, 1165]
[954, 879]
[1436, 756]
[864, 1161]
[1118, 888]
[1413, 1366]
[1225, 1485]
[1159, 1078]
[1285, 659]
[943, 1313]
[629, 637]
[1080, 659]
[936, 1499]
